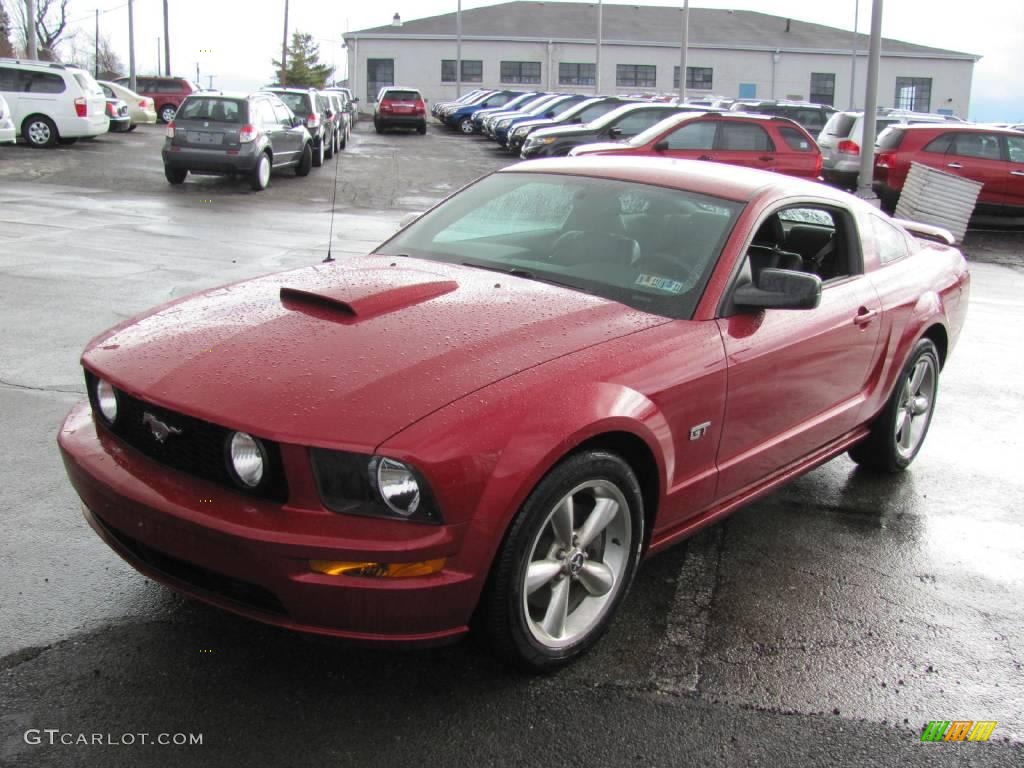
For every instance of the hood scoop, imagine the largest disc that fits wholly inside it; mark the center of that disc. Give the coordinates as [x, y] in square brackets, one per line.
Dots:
[352, 304]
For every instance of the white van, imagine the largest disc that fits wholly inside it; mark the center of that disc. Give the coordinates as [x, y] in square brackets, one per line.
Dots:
[52, 102]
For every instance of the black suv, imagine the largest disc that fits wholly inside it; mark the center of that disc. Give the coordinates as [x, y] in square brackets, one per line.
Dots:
[810, 116]
[312, 107]
[622, 123]
[215, 132]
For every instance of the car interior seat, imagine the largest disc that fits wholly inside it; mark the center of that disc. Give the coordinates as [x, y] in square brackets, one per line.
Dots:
[593, 232]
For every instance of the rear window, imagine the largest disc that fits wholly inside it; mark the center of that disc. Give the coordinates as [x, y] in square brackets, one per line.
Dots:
[840, 124]
[890, 138]
[297, 102]
[213, 109]
[795, 139]
[401, 95]
[84, 79]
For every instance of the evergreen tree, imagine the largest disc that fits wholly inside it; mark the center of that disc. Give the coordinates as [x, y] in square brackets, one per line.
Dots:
[303, 69]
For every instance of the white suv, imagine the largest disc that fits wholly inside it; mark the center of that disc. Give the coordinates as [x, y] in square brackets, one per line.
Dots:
[8, 133]
[52, 102]
[843, 136]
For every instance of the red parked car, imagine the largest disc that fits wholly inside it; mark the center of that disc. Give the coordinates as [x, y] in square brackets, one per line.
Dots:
[992, 156]
[755, 141]
[561, 369]
[167, 93]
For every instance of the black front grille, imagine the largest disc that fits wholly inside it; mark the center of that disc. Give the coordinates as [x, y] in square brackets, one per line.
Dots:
[198, 448]
[237, 591]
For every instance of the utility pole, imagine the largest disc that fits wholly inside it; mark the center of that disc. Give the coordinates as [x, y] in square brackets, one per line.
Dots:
[284, 47]
[853, 53]
[458, 50]
[867, 149]
[96, 48]
[167, 43]
[158, 55]
[30, 12]
[597, 65]
[682, 51]
[132, 85]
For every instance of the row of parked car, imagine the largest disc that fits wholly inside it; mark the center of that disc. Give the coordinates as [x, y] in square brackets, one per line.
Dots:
[770, 135]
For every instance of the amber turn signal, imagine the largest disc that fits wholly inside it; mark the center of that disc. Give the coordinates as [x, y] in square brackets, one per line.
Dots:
[386, 570]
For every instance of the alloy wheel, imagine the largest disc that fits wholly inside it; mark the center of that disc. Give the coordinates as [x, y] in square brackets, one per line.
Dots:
[915, 407]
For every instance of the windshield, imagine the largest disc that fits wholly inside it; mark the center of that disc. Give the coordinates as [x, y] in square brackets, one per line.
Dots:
[611, 117]
[651, 248]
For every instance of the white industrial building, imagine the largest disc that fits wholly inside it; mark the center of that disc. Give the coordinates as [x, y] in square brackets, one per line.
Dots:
[552, 46]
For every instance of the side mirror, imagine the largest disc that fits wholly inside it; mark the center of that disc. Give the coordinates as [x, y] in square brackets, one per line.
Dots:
[577, 120]
[614, 132]
[661, 146]
[355, 99]
[780, 289]
[297, 121]
[549, 114]
[408, 219]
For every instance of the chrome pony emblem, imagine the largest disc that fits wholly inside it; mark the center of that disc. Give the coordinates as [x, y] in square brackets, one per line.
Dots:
[160, 430]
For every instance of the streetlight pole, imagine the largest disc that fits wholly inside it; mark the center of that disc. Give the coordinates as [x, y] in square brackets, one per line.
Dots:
[458, 51]
[597, 65]
[167, 43]
[284, 47]
[853, 53]
[132, 84]
[684, 44]
[867, 149]
[96, 48]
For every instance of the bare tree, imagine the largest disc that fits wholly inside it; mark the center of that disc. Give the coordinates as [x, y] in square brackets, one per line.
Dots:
[82, 51]
[51, 22]
[6, 49]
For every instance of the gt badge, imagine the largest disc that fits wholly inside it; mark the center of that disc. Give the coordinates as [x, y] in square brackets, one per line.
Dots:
[160, 430]
[697, 432]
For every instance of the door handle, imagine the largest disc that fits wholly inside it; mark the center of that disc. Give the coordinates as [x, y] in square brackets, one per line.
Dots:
[1017, 173]
[704, 157]
[865, 316]
[767, 158]
[954, 165]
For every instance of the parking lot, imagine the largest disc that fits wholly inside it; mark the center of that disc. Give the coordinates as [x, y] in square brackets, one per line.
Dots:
[824, 624]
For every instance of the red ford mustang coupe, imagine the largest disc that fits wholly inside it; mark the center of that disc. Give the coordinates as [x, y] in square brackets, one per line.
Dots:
[491, 419]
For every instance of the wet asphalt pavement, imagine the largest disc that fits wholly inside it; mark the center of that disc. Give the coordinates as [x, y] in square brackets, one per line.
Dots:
[824, 624]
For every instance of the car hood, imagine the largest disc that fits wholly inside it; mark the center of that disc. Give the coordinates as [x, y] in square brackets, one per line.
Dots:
[346, 355]
[601, 146]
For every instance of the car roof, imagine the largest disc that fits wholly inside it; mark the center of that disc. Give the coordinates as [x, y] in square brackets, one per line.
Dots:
[731, 182]
[225, 95]
[949, 126]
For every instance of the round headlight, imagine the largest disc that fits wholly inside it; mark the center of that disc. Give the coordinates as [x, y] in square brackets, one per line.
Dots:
[398, 487]
[248, 459]
[106, 399]
[521, 131]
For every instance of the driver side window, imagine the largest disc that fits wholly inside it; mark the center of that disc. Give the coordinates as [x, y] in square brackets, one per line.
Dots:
[811, 239]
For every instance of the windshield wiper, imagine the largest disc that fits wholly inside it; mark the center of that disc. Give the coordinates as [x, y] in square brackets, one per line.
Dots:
[526, 275]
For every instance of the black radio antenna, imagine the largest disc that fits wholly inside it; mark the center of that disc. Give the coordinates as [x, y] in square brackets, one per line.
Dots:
[334, 205]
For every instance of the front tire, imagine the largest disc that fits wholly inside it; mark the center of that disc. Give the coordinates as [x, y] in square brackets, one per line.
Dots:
[566, 564]
[175, 175]
[261, 174]
[40, 132]
[318, 154]
[898, 432]
[329, 152]
[466, 125]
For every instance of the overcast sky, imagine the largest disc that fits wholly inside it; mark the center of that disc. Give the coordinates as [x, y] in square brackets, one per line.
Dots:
[223, 37]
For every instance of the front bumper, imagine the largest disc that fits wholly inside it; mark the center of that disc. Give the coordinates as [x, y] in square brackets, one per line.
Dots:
[251, 556]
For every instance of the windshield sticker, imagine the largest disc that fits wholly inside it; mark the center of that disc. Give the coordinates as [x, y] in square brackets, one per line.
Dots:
[665, 284]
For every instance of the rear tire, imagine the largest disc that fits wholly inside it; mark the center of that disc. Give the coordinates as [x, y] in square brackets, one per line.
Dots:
[167, 113]
[378, 127]
[261, 174]
[39, 131]
[422, 129]
[329, 151]
[305, 162]
[344, 140]
[898, 432]
[175, 175]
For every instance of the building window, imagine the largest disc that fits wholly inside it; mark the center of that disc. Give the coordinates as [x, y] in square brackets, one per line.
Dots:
[636, 75]
[698, 78]
[577, 74]
[520, 71]
[472, 71]
[913, 93]
[823, 88]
